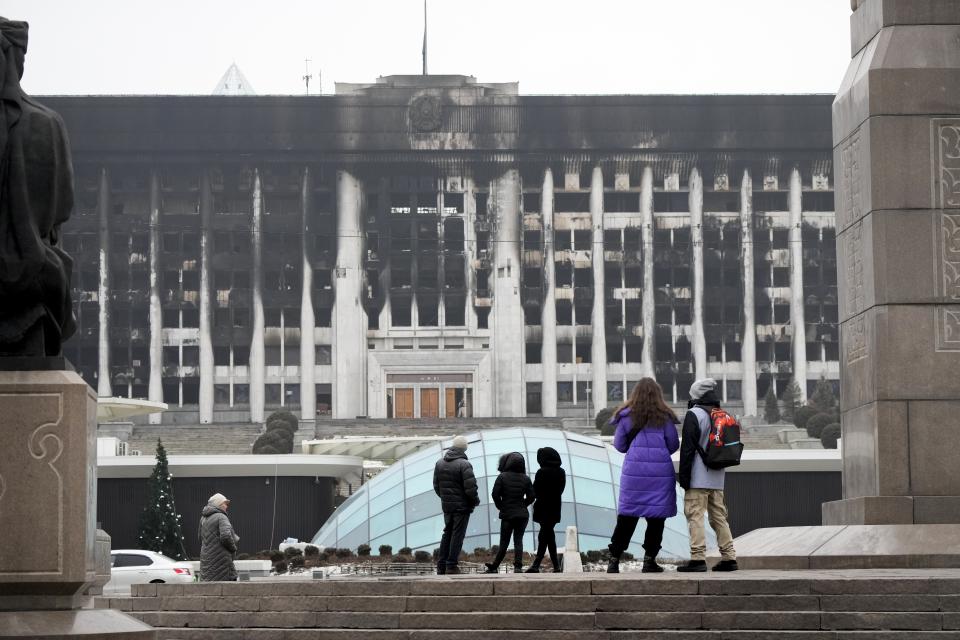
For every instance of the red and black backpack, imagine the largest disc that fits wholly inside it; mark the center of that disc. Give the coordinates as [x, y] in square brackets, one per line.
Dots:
[724, 447]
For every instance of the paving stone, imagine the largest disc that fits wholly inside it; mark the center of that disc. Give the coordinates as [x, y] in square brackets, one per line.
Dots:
[452, 588]
[878, 587]
[951, 621]
[190, 589]
[513, 634]
[370, 588]
[749, 586]
[644, 587]
[866, 603]
[772, 620]
[294, 603]
[151, 618]
[180, 603]
[665, 635]
[368, 603]
[541, 587]
[258, 588]
[149, 603]
[346, 634]
[848, 620]
[648, 620]
[649, 603]
[498, 620]
[232, 603]
[761, 603]
[435, 604]
[138, 590]
[220, 634]
[778, 635]
[357, 620]
[950, 603]
[121, 604]
[898, 635]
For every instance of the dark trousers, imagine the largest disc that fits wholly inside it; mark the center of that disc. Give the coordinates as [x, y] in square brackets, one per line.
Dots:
[547, 540]
[512, 527]
[623, 532]
[454, 530]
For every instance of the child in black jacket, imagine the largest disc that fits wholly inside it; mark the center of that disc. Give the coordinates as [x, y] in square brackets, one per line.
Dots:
[512, 494]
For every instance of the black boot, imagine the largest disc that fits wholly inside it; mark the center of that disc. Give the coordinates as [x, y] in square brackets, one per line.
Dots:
[535, 567]
[518, 568]
[694, 566]
[442, 569]
[614, 565]
[726, 565]
[491, 568]
[650, 565]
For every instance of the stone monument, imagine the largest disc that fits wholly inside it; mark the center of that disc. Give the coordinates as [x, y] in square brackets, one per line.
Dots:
[896, 132]
[48, 470]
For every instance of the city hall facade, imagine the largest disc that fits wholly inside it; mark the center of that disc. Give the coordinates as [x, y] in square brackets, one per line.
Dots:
[436, 247]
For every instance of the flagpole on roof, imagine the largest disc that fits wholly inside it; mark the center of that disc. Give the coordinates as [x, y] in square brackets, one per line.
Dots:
[424, 37]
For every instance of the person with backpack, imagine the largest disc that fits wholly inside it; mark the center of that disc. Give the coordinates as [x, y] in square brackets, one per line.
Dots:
[710, 443]
[456, 486]
[548, 485]
[512, 494]
[647, 434]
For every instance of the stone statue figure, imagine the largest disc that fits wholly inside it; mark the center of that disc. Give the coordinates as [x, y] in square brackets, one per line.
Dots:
[36, 197]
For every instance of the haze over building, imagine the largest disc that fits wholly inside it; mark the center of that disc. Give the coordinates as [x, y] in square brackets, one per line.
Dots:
[433, 246]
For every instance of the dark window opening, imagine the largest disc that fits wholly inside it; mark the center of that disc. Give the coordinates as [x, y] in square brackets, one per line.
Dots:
[583, 352]
[534, 351]
[428, 311]
[454, 311]
[582, 239]
[564, 311]
[400, 312]
[483, 315]
[561, 240]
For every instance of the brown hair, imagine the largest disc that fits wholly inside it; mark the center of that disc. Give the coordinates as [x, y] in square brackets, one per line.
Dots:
[647, 405]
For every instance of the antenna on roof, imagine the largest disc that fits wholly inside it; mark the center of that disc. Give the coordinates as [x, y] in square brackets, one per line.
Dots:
[424, 37]
[306, 76]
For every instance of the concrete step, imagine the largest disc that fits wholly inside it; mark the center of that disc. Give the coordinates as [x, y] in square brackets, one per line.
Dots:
[521, 634]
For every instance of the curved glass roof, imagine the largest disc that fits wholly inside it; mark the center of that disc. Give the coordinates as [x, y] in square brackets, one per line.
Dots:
[399, 508]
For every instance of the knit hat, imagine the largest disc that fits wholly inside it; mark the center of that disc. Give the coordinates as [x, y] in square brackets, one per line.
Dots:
[460, 442]
[217, 500]
[702, 387]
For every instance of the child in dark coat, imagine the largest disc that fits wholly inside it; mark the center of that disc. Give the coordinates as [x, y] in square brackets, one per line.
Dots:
[512, 494]
[549, 484]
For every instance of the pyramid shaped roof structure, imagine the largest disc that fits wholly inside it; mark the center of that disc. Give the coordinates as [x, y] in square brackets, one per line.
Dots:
[233, 83]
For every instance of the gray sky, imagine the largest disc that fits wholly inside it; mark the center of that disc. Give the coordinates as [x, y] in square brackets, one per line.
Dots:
[598, 46]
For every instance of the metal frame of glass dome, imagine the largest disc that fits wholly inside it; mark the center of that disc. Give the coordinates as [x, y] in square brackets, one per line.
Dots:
[399, 507]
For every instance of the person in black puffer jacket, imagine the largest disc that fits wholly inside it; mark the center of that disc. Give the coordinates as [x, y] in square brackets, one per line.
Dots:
[549, 484]
[512, 494]
[455, 484]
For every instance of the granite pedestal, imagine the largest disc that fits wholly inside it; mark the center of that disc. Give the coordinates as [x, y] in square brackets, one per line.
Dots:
[896, 130]
[48, 510]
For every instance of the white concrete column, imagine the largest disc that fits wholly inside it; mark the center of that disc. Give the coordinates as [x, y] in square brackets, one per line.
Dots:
[155, 388]
[696, 239]
[308, 347]
[598, 344]
[103, 290]
[206, 340]
[548, 318]
[797, 320]
[257, 358]
[349, 316]
[506, 316]
[647, 308]
[748, 350]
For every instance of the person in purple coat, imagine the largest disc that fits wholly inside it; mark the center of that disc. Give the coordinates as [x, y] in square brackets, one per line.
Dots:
[647, 433]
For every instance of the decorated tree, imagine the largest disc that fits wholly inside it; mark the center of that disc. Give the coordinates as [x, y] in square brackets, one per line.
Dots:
[159, 521]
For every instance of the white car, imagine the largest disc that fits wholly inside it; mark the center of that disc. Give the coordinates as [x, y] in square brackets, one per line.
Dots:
[133, 566]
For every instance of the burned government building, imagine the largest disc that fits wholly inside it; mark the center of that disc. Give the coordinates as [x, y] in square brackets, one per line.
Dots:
[435, 247]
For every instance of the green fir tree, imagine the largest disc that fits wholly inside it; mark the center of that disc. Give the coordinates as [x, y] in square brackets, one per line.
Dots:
[791, 400]
[159, 521]
[771, 409]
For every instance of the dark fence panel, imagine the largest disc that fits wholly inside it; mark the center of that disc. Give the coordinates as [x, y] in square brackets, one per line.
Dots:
[262, 514]
[782, 499]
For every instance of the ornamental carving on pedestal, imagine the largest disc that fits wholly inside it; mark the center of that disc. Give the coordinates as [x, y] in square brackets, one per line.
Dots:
[426, 113]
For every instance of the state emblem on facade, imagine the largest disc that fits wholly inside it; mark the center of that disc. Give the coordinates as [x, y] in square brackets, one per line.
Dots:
[425, 113]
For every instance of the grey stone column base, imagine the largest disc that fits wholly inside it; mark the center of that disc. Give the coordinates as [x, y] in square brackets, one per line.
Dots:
[871, 546]
[89, 624]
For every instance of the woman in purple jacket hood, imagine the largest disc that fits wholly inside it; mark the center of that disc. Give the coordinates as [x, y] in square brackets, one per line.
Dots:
[647, 434]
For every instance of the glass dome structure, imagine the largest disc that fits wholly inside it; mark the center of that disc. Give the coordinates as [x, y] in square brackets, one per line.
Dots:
[399, 508]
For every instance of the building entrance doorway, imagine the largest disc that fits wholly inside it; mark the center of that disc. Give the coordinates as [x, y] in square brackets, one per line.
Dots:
[403, 407]
[429, 402]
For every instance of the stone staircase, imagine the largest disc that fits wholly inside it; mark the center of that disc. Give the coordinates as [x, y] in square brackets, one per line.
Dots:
[838, 605]
[233, 439]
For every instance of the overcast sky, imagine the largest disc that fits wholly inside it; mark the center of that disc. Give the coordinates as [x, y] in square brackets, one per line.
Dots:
[597, 46]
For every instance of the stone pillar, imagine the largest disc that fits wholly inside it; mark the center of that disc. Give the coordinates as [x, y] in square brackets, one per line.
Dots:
[206, 339]
[257, 358]
[797, 321]
[896, 130]
[748, 350]
[155, 388]
[598, 345]
[349, 317]
[506, 316]
[103, 290]
[308, 347]
[696, 241]
[548, 319]
[647, 303]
